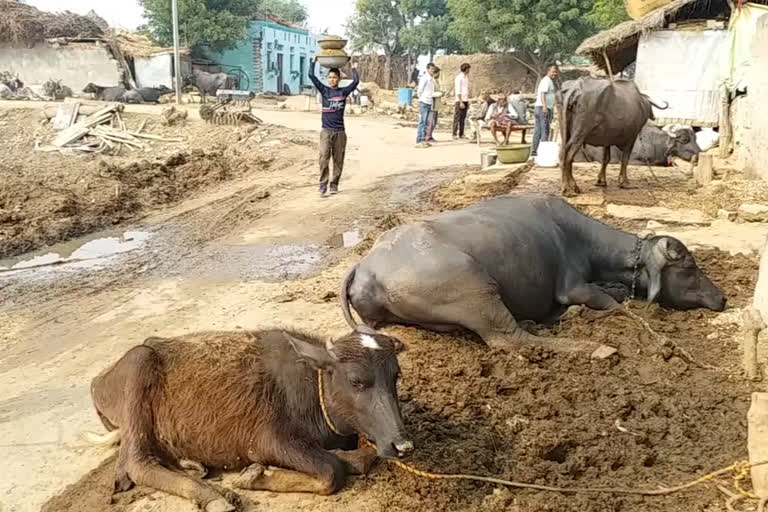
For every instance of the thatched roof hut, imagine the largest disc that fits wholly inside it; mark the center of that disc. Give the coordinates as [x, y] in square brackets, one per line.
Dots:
[134, 44]
[22, 24]
[619, 44]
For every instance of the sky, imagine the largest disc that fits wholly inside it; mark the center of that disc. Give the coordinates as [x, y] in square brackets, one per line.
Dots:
[127, 13]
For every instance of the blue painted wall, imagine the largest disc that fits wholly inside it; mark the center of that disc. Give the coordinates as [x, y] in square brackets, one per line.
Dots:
[274, 57]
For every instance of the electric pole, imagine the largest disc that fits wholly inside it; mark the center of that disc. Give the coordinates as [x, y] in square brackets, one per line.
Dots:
[176, 57]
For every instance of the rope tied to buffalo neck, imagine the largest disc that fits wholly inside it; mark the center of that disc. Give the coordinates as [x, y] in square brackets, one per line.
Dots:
[740, 469]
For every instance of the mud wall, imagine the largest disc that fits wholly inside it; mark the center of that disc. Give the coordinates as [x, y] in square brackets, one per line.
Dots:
[754, 130]
[75, 64]
[492, 72]
[372, 68]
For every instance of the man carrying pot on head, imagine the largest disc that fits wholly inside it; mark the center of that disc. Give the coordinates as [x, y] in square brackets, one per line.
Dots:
[333, 137]
[544, 108]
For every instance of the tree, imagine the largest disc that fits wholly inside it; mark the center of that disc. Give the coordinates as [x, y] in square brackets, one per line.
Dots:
[537, 30]
[215, 23]
[608, 13]
[400, 27]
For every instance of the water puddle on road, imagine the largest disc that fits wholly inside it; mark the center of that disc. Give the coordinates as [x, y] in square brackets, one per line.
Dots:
[256, 261]
[81, 253]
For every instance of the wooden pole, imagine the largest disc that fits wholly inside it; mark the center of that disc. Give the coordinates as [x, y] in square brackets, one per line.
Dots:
[176, 57]
[608, 64]
[726, 133]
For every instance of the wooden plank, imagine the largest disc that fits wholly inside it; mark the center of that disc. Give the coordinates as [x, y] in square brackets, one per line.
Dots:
[78, 130]
[65, 115]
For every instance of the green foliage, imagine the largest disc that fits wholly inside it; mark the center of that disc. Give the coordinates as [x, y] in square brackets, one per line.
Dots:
[401, 26]
[216, 23]
[538, 30]
[608, 13]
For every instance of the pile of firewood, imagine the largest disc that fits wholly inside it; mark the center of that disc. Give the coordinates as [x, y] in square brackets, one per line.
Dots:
[102, 131]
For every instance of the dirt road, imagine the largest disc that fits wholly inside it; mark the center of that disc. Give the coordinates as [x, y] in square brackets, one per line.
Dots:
[52, 348]
[264, 249]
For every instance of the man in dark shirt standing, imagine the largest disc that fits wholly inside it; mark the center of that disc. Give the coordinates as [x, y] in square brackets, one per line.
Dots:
[333, 138]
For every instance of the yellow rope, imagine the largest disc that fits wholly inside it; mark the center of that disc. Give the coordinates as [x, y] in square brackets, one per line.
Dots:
[740, 469]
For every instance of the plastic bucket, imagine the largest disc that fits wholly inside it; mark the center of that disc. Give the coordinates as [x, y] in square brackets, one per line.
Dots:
[363, 101]
[548, 154]
[404, 96]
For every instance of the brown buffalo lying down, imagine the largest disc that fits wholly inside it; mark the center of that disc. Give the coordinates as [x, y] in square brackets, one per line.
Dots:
[234, 400]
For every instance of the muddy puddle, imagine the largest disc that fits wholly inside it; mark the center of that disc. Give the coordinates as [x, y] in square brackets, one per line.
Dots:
[81, 254]
[267, 262]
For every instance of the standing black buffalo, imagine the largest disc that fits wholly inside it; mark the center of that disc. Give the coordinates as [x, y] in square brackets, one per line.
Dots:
[208, 83]
[603, 113]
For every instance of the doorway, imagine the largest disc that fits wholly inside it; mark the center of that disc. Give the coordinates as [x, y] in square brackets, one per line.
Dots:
[280, 81]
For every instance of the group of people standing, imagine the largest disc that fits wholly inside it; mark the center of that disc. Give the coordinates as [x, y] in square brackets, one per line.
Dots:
[498, 114]
[430, 97]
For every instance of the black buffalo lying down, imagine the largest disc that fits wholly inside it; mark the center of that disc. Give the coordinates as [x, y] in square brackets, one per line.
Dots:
[653, 146]
[513, 258]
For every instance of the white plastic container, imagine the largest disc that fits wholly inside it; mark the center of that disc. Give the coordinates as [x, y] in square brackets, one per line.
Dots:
[363, 101]
[548, 154]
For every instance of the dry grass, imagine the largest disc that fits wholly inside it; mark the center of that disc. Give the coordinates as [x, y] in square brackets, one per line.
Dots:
[24, 24]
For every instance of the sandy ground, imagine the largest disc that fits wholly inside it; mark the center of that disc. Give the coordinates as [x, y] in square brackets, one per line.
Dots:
[233, 259]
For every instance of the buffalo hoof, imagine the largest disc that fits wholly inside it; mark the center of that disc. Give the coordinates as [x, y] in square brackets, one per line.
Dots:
[123, 483]
[193, 468]
[249, 476]
[601, 183]
[571, 191]
[626, 185]
[219, 505]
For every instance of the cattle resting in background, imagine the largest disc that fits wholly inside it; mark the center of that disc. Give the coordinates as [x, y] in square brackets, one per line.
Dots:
[234, 400]
[526, 257]
[145, 94]
[208, 83]
[105, 93]
[654, 146]
[603, 113]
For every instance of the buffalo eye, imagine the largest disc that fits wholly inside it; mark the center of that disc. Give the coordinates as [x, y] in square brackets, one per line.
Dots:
[358, 383]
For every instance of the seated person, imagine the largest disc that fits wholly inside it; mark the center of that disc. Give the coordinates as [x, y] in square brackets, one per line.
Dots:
[501, 118]
[517, 105]
[477, 114]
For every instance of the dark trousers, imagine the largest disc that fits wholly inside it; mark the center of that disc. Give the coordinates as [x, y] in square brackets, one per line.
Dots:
[332, 144]
[431, 124]
[541, 130]
[459, 118]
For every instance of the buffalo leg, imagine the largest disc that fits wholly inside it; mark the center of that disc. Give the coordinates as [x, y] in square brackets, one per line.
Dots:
[596, 299]
[601, 179]
[138, 460]
[303, 469]
[626, 152]
[359, 461]
[569, 186]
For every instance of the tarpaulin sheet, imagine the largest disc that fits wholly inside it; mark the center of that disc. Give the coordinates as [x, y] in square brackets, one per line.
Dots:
[741, 30]
[683, 68]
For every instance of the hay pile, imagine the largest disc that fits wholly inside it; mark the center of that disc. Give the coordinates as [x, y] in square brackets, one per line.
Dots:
[24, 24]
[134, 44]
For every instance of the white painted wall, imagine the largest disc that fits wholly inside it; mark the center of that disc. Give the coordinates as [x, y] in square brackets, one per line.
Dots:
[75, 64]
[154, 71]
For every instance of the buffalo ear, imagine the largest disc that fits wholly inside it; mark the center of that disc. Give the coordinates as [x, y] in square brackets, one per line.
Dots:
[661, 254]
[318, 357]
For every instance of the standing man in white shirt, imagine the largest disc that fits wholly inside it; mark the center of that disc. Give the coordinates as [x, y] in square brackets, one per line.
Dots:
[461, 90]
[544, 108]
[426, 96]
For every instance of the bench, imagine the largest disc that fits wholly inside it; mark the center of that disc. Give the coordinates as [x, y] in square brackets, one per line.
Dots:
[515, 128]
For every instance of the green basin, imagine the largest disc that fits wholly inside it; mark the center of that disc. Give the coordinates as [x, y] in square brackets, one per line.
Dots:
[514, 153]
